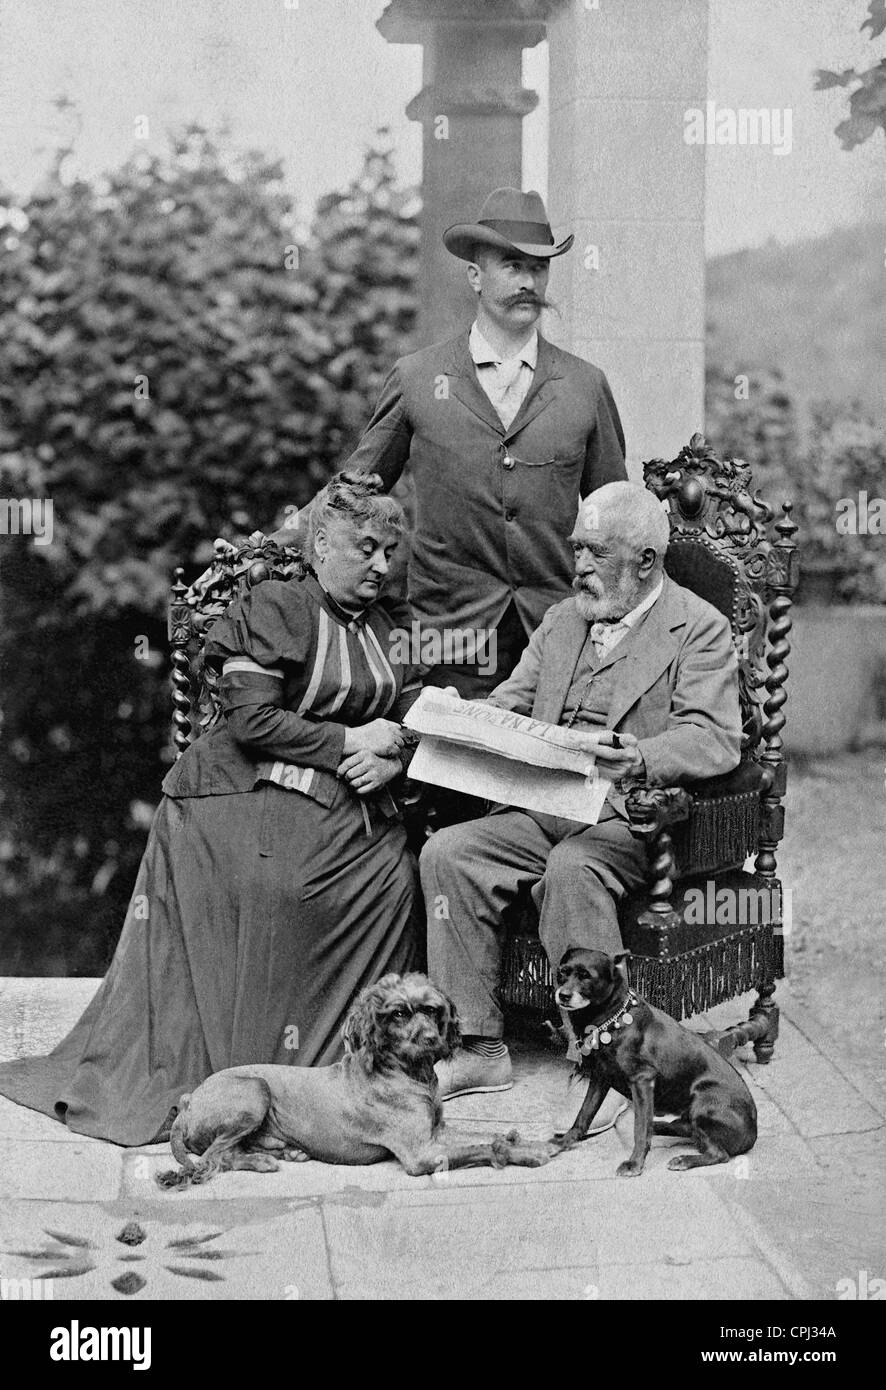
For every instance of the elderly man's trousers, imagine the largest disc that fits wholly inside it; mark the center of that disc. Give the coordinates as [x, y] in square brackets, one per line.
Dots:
[471, 872]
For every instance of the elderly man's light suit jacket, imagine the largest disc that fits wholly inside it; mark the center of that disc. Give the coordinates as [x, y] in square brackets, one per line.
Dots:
[676, 689]
[493, 506]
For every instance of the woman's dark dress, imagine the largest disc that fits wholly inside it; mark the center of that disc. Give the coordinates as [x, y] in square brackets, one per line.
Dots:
[269, 893]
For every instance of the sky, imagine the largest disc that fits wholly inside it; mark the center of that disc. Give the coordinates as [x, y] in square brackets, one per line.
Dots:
[310, 80]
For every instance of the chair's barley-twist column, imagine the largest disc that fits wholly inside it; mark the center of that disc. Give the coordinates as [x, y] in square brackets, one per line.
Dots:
[180, 632]
[782, 583]
[651, 811]
[662, 870]
[762, 1026]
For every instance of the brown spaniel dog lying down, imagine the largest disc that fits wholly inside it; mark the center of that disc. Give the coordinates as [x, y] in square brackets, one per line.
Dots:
[380, 1100]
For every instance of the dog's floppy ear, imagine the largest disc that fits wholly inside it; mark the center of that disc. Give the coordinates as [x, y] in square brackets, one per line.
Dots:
[450, 1025]
[354, 1031]
[620, 965]
[359, 1031]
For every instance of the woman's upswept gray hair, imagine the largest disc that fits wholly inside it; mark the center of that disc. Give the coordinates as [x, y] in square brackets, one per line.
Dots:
[356, 497]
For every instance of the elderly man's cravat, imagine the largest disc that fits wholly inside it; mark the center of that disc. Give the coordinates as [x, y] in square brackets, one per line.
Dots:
[605, 636]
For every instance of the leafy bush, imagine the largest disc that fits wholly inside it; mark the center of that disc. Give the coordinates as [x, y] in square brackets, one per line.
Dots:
[840, 453]
[750, 414]
[846, 457]
[174, 364]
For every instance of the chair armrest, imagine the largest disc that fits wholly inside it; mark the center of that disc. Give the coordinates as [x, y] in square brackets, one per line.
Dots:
[650, 809]
[715, 824]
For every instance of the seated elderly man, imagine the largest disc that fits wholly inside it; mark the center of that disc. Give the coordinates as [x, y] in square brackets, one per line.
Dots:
[629, 652]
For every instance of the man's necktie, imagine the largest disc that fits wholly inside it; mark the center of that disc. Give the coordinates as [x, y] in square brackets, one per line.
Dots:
[605, 636]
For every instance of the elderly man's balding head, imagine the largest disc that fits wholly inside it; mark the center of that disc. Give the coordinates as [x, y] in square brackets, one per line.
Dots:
[619, 541]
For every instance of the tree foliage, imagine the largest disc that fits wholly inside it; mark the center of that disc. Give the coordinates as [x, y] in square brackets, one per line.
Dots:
[175, 364]
[838, 452]
[867, 103]
[750, 414]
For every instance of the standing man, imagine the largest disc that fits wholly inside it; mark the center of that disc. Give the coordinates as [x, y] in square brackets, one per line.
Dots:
[502, 432]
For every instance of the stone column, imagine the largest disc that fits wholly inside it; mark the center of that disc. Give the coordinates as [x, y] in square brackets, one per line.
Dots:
[471, 108]
[632, 290]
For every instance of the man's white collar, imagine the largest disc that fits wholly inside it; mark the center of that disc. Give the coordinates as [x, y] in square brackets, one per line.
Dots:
[631, 619]
[481, 351]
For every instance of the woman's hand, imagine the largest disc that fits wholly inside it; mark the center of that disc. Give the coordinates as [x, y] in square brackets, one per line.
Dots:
[381, 737]
[366, 772]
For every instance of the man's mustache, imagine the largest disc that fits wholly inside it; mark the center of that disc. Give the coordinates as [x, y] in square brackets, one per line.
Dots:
[533, 299]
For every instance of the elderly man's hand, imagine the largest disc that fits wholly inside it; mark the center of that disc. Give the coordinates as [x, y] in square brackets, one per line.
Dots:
[613, 763]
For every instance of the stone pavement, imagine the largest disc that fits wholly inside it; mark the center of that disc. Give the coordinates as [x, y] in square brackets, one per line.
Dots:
[792, 1219]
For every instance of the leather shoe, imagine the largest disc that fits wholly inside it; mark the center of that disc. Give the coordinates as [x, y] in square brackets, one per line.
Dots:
[466, 1072]
[613, 1106]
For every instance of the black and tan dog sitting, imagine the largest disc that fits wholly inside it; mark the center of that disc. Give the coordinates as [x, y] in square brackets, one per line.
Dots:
[379, 1102]
[625, 1043]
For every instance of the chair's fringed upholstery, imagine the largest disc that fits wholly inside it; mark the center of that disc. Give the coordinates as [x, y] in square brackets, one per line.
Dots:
[710, 974]
[681, 985]
[721, 831]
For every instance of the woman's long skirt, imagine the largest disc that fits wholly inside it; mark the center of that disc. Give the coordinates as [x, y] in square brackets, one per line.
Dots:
[256, 919]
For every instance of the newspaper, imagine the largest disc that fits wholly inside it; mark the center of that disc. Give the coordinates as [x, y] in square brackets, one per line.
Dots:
[495, 754]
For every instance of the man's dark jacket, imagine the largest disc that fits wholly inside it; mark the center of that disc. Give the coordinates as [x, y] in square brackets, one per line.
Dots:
[494, 506]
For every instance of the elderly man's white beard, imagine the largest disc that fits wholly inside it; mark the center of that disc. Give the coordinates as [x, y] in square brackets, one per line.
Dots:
[610, 606]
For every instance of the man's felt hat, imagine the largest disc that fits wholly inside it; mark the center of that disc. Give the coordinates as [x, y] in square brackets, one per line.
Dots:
[509, 220]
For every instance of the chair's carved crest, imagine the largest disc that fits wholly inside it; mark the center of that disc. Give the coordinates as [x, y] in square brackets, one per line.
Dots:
[709, 494]
[236, 567]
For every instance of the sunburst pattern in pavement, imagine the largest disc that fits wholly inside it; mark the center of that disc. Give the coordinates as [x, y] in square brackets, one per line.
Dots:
[72, 1256]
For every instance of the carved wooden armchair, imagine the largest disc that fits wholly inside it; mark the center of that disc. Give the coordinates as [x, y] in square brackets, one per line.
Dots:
[235, 567]
[707, 930]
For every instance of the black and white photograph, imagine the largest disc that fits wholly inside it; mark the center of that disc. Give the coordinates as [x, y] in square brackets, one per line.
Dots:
[443, 665]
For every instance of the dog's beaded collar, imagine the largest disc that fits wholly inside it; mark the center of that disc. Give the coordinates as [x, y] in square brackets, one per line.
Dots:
[600, 1035]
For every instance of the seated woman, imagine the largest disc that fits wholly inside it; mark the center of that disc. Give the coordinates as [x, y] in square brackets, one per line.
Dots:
[276, 882]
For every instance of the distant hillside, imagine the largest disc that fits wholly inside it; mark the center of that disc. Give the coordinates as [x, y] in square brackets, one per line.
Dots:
[816, 309]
